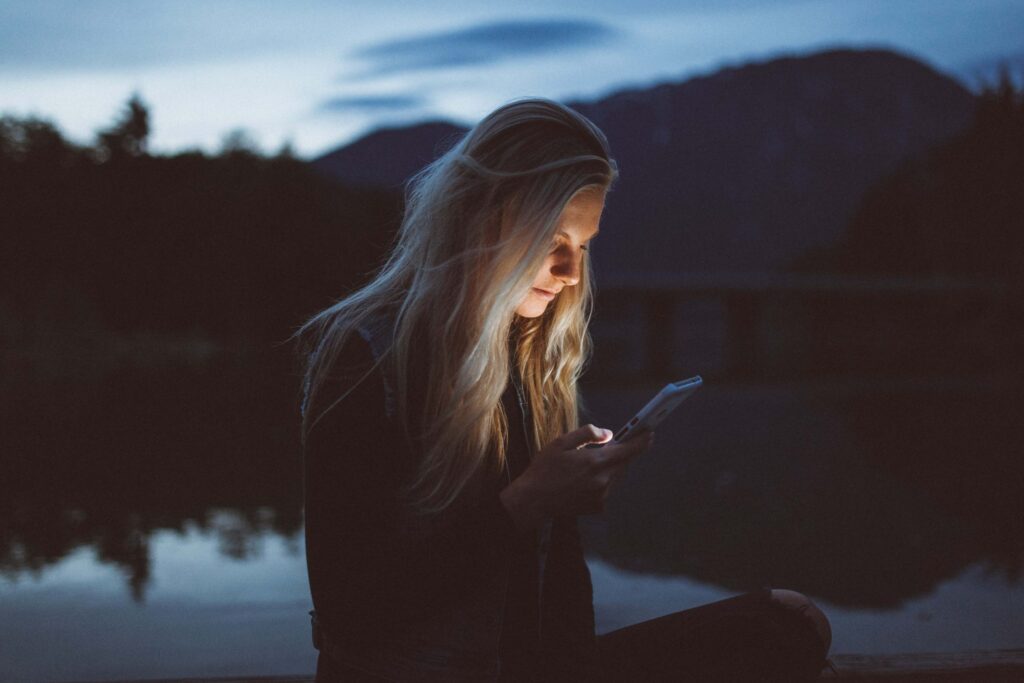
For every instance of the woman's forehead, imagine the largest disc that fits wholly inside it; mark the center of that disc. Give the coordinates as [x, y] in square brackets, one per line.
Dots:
[582, 214]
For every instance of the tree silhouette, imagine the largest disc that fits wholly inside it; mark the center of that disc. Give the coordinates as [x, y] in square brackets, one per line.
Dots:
[127, 137]
[956, 211]
[1000, 105]
[34, 141]
[235, 247]
[239, 141]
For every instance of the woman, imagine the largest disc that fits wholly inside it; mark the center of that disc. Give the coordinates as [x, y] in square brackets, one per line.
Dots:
[444, 466]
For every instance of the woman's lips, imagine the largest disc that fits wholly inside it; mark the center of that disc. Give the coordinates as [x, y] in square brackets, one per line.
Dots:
[544, 294]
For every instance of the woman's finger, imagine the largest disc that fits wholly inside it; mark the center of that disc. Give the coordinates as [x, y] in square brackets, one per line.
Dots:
[578, 438]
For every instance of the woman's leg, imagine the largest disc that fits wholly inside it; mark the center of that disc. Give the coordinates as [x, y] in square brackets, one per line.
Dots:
[765, 635]
[329, 671]
[802, 603]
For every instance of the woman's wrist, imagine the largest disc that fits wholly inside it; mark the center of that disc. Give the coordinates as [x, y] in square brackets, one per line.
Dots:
[520, 507]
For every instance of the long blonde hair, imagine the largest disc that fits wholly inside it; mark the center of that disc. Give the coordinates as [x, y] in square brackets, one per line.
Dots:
[479, 222]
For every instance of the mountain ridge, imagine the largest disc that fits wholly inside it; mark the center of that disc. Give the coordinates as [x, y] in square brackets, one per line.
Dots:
[741, 169]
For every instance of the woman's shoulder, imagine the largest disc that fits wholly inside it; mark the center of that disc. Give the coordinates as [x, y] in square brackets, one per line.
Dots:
[356, 367]
[352, 377]
[348, 406]
[364, 346]
[359, 370]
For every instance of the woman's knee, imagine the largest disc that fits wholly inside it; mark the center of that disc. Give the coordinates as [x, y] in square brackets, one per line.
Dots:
[803, 604]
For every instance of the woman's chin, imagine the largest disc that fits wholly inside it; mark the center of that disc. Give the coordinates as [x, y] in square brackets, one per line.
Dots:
[532, 309]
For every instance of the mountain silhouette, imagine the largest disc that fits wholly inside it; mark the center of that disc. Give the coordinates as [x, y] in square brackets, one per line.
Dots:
[741, 170]
[387, 156]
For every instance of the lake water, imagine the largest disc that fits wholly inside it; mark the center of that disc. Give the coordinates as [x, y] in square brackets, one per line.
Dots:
[151, 524]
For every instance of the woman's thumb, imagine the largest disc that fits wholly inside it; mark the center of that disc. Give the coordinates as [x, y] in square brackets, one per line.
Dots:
[586, 434]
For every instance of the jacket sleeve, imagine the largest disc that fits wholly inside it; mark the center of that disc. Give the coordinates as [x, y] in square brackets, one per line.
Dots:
[365, 561]
[569, 639]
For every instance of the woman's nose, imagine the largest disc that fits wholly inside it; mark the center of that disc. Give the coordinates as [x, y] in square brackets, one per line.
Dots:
[568, 269]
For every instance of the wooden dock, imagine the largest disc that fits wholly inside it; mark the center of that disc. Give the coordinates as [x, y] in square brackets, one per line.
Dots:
[983, 666]
[975, 666]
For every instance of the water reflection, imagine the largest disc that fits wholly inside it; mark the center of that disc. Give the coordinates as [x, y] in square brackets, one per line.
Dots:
[207, 615]
[861, 494]
[105, 464]
[865, 495]
[972, 610]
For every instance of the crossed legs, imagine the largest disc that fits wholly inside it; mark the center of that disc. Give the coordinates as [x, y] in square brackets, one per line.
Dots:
[766, 635]
[801, 603]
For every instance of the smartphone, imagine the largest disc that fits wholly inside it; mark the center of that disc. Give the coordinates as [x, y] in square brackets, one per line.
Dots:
[656, 410]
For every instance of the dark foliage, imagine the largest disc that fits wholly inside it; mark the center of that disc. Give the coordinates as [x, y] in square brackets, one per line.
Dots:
[956, 211]
[233, 246]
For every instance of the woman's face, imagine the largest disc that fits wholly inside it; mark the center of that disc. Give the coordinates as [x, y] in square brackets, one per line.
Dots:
[577, 225]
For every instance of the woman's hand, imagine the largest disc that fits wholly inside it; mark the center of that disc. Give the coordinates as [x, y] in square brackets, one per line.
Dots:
[565, 478]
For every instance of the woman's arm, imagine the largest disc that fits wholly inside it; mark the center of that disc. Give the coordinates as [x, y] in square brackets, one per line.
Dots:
[363, 555]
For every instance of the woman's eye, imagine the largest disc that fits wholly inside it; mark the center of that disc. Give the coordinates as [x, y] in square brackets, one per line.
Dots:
[584, 247]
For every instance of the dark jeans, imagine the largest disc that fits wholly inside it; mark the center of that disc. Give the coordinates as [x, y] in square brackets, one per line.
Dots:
[747, 637]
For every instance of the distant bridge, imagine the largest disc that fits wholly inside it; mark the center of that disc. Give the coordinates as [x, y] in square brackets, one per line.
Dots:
[758, 309]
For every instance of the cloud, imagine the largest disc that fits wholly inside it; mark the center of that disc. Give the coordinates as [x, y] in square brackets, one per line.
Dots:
[372, 103]
[482, 44]
[119, 34]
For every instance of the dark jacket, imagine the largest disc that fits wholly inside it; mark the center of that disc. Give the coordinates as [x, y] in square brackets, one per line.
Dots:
[414, 599]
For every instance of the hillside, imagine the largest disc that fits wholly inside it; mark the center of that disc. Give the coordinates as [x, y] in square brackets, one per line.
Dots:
[739, 170]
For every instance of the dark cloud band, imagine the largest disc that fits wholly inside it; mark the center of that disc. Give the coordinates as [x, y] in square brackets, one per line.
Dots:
[372, 103]
[483, 44]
